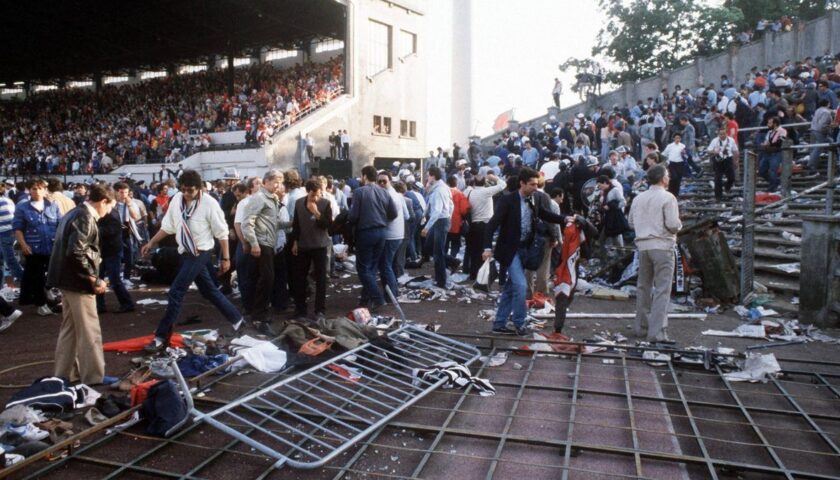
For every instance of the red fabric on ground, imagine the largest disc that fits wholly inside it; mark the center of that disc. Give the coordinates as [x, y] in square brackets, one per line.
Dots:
[762, 198]
[140, 391]
[137, 344]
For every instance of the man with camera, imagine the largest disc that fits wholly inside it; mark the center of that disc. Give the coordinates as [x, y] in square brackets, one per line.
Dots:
[723, 150]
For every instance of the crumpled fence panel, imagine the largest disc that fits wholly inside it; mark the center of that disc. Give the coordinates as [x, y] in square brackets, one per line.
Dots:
[307, 419]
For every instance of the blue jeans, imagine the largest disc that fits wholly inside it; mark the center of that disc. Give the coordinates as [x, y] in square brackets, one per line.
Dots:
[370, 244]
[768, 167]
[194, 269]
[513, 295]
[7, 242]
[110, 269]
[814, 157]
[386, 266]
[411, 236]
[245, 277]
[437, 239]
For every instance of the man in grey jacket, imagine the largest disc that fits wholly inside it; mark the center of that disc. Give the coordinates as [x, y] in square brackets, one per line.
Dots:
[655, 217]
[260, 231]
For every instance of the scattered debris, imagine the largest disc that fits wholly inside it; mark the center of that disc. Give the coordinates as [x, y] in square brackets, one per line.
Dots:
[788, 267]
[755, 368]
[496, 360]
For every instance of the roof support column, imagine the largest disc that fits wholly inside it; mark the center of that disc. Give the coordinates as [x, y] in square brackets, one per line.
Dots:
[229, 74]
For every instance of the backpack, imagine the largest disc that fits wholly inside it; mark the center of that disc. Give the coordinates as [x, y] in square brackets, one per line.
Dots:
[163, 408]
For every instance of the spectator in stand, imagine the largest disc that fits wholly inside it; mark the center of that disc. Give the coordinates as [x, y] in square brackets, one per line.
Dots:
[310, 239]
[676, 164]
[557, 91]
[723, 150]
[821, 126]
[7, 239]
[771, 154]
[655, 217]
[35, 223]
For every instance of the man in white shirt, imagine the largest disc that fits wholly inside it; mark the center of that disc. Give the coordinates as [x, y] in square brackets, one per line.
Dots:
[345, 145]
[481, 208]
[723, 150]
[676, 164]
[196, 219]
[245, 263]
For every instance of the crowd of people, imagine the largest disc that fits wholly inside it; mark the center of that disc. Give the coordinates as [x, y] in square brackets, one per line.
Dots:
[529, 208]
[81, 131]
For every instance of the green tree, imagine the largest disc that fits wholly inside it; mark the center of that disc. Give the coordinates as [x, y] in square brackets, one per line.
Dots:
[755, 10]
[643, 37]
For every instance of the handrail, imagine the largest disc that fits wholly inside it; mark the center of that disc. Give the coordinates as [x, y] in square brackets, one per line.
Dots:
[306, 111]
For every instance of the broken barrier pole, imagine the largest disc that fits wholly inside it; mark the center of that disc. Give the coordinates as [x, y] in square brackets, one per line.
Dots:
[829, 194]
[787, 169]
[748, 227]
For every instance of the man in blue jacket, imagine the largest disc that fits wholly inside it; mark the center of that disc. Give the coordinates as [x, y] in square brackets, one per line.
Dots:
[516, 217]
[35, 224]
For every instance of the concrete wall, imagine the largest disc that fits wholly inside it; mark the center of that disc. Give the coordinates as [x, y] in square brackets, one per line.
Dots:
[398, 92]
[817, 37]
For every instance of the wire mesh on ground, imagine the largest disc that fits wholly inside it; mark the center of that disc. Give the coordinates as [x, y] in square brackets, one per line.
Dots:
[554, 416]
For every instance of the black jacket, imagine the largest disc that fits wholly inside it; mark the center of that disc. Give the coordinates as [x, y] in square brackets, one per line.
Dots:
[110, 235]
[506, 219]
[75, 255]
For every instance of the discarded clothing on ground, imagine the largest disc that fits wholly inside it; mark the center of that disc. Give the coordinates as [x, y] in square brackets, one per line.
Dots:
[755, 368]
[137, 344]
[195, 365]
[456, 376]
[21, 415]
[263, 355]
[48, 393]
[163, 408]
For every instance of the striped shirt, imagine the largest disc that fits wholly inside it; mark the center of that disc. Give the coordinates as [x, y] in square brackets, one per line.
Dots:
[7, 213]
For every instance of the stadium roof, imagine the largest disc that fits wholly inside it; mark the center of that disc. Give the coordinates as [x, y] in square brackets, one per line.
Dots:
[50, 40]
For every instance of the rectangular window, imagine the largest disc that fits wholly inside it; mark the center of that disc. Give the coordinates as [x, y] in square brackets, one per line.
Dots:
[408, 43]
[79, 84]
[238, 62]
[279, 54]
[381, 125]
[408, 128]
[45, 88]
[379, 48]
[329, 45]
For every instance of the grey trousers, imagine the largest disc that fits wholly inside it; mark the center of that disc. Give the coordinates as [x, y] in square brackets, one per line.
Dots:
[653, 292]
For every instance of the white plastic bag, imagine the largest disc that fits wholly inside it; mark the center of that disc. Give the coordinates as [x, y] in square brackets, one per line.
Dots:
[483, 276]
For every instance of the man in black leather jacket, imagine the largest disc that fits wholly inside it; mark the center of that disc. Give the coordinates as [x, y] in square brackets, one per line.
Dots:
[74, 269]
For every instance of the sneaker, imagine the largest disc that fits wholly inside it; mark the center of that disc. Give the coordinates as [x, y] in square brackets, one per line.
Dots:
[523, 331]
[53, 295]
[45, 311]
[156, 346]
[503, 331]
[7, 322]
[238, 325]
[30, 432]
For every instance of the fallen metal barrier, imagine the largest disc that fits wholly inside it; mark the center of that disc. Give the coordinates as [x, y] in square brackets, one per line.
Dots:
[355, 394]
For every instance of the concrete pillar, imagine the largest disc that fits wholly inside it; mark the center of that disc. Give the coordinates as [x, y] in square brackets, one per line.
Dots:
[663, 82]
[350, 73]
[97, 82]
[819, 278]
[798, 34]
[211, 62]
[513, 125]
[833, 30]
[27, 88]
[733, 61]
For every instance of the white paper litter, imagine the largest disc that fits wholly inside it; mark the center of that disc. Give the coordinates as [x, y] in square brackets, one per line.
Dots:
[756, 368]
[496, 360]
[743, 331]
[151, 301]
[788, 267]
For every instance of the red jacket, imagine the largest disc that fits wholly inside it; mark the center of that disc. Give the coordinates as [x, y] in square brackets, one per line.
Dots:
[462, 208]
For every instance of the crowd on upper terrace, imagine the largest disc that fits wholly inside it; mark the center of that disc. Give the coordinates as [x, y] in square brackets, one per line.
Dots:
[158, 120]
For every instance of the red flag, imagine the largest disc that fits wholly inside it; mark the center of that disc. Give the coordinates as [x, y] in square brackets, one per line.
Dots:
[501, 122]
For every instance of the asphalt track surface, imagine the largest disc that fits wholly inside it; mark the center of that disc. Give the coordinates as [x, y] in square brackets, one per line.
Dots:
[556, 416]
